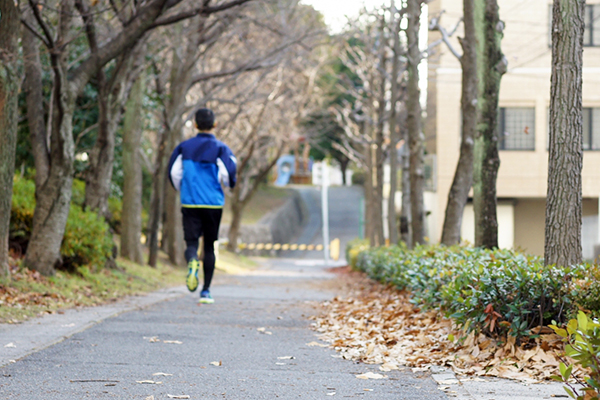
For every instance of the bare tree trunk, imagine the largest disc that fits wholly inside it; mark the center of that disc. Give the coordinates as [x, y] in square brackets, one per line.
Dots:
[35, 106]
[413, 122]
[395, 96]
[405, 214]
[131, 215]
[368, 192]
[236, 220]
[54, 195]
[379, 142]
[563, 206]
[344, 168]
[174, 226]
[112, 95]
[491, 65]
[9, 115]
[156, 204]
[463, 176]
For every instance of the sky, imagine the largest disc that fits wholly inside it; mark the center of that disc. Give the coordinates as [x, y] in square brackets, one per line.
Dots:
[336, 10]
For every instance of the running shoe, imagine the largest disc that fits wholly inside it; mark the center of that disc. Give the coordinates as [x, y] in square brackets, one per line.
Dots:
[192, 277]
[206, 298]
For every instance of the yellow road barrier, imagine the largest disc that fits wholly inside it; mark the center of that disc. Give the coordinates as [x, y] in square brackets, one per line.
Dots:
[334, 247]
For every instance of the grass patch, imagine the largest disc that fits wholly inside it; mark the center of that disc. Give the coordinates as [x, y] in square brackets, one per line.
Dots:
[232, 263]
[265, 200]
[25, 294]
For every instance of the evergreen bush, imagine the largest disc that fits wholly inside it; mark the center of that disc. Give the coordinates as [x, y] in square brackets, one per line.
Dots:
[87, 240]
[497, 292]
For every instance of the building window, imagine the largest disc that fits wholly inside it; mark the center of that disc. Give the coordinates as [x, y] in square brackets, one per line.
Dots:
[517, 128]
[591, 128]
[591, 36]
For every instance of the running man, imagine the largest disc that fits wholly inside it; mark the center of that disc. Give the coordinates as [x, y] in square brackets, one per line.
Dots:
[197, 168]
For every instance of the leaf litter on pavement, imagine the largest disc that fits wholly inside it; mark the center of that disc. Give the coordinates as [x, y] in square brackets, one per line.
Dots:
[376, 324]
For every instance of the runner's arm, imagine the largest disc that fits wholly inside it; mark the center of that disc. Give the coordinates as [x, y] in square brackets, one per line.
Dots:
[227, 167]
[176, 168]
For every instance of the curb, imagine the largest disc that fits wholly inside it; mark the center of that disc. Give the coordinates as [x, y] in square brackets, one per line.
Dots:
[20, 340]
[489, 388]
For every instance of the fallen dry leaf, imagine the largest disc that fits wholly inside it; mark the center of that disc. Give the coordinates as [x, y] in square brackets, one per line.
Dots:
[286, 358]
[153, 339]
[161, 374]
[216, 363]
[172, 341]
[264, 330]
[376, 324]
[312, 344]
[388, 366]
[448, 382]
[331, 394]
[150, 382]
[10, 345]
[149, 398]
[370, 375]
[181, 396]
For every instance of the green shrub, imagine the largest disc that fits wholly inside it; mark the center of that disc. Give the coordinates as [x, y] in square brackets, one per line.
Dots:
[354, 248]
[21, 215]
[582, 336]
[498, 292]
[115, 207]
[87, 240]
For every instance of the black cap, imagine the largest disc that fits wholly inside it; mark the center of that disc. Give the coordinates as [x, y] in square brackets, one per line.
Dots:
[205, 119]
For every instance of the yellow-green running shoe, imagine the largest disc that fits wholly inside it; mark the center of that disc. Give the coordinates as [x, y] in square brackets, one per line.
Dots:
[192, 277]
[205, 297]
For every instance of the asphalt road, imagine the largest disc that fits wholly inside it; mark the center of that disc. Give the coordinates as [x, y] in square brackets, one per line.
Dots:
[344, 218]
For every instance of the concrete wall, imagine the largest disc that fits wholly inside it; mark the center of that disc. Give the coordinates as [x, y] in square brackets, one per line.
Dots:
[506, 230]
[530, 215]
[279, 226]
[287, 221]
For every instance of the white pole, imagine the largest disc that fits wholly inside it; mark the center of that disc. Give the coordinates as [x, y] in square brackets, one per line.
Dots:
[325, 210]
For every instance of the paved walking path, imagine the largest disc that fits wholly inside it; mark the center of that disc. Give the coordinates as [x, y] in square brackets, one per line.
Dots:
[257, 331]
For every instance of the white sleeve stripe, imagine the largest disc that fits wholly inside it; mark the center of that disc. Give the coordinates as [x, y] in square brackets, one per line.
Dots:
[223, 173]
[177, 172]
[233, 159]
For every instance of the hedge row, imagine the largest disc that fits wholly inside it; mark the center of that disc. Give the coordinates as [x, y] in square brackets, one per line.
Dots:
[494, 291]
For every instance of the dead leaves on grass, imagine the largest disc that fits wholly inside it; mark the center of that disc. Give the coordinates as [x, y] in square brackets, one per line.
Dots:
[378, 325]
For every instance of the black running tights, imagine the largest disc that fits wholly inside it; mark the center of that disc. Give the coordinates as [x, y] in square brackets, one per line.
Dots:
[202, 222]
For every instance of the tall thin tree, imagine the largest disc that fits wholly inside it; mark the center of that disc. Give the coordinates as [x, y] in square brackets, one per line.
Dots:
[394, 137]
[562, 244]
[9, 89]
[413, 122]
[491, 65]
[463, 176]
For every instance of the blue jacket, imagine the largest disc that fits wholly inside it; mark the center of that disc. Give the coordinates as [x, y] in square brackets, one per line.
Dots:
[197, 167]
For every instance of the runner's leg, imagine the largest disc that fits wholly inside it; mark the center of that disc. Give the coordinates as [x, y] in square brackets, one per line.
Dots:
[211, 220]
[192, 230]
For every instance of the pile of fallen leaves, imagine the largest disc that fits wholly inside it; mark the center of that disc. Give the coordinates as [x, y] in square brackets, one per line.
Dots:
[20, 296]
[378, 325]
